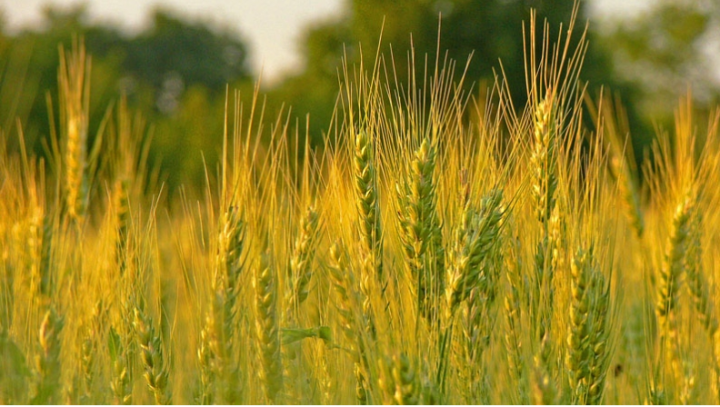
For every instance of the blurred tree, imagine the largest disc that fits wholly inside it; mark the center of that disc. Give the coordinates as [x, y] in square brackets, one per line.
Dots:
[190, 137]
[167, 68]
[672, 48]
[173, 50]
[491, 29]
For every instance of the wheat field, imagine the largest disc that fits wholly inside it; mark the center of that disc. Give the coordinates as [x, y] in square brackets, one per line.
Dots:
[442, 247]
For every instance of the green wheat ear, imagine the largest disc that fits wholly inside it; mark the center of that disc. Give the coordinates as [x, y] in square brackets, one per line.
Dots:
[368, 201]
[346, 304]
[600, 346]
[218, 335]
[302, 257]
[152, 356]
[398, 380]
[578, 336]
[474, 240]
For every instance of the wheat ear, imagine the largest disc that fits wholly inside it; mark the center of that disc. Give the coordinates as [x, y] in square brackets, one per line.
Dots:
[696, 279]
[420, 228]
[474, 240]
[599, 346]
[671, 271]
[368, 201]
[152, 356]
[73, 101]
[699, 289]
[303, 254]
[220, 328]
[399, 381]
[300, 275]
[543, 159]
[578, 340]
[120, 382]
[88, 350]
[267, 329]
[207, 358]
[342, 286]
[231, 242]
[543, 387]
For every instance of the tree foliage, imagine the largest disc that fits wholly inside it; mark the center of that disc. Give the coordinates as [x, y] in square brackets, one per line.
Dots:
[172, 69]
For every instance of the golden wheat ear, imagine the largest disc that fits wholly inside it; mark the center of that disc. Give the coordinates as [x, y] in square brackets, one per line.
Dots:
[74, 86]
[267, 328]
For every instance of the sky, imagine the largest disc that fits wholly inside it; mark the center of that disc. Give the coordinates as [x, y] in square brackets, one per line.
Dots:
[271, 28]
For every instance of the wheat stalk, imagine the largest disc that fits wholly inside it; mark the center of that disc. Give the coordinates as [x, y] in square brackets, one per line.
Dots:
[13, 382]
[47, 362]
[629, 193]
[513, 339]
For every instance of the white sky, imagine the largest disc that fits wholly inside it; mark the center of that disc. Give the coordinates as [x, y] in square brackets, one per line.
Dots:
[270, 27]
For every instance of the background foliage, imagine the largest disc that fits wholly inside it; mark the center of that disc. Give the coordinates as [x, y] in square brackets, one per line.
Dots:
[176, 70]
